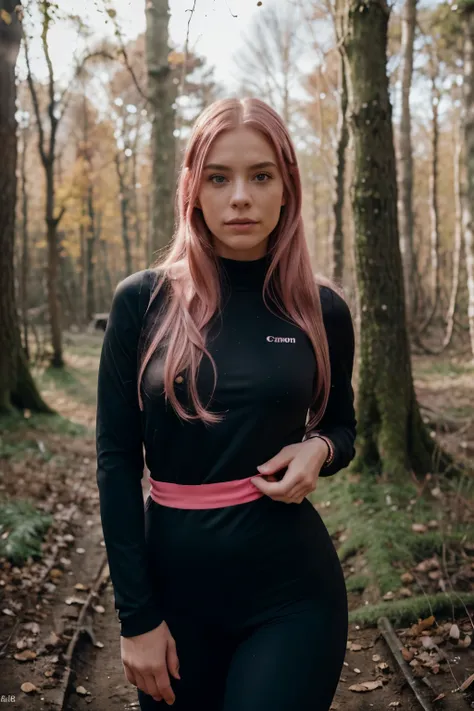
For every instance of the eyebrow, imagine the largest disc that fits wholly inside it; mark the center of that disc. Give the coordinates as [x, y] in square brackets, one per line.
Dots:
[218, 166]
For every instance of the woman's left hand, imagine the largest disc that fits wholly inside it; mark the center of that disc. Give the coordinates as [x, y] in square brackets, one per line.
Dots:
[304, 461]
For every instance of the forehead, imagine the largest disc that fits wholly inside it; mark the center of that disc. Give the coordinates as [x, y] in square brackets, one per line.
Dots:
[240, 146]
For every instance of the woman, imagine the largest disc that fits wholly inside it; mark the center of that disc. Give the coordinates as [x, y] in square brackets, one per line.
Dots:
[228, 588]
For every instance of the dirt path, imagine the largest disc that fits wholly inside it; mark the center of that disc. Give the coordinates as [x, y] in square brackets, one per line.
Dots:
[45, 599]
[96, 665]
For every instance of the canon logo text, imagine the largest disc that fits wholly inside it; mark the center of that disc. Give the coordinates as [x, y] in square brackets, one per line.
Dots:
[277, 339]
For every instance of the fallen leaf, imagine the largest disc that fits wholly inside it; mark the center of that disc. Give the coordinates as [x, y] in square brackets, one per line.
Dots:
[81, 691]
[423, 625]
[439, 697]
[389, 595]
[419, 528]
[6, 17]
[28, 687]
[6, 611]
[427, 642]
[366, 686]
[467, 683]
[427, 564]
[376, 657]
[99, 609]
[74, 600]
[99, 644]
[32, 627]
[25, 656]
[383, 666]
[53, 639]
[357, 671]
[465, 642]
[394, 704]
[405, 592]
[407, 654]
[406, 578]
[80, 586]
[55, 573]
[454, 632]
[355, 647]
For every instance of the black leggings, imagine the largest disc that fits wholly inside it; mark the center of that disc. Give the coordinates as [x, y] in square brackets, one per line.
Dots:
[289, 662]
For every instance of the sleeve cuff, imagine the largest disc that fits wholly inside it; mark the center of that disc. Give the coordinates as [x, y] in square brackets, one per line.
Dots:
[143, 621]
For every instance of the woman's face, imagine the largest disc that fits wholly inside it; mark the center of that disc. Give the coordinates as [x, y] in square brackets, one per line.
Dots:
[241, 180]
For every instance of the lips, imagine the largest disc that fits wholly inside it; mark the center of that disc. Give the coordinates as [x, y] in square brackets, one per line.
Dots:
[241, 222]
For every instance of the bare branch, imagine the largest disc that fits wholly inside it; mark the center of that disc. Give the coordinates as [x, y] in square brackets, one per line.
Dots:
[34, 98]
[123, 50]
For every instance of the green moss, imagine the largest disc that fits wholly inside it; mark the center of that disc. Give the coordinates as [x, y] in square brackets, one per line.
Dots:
[377, 521]
[408, 611]
[357, 582]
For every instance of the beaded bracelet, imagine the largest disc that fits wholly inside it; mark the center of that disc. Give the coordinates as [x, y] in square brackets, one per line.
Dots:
[330, 457]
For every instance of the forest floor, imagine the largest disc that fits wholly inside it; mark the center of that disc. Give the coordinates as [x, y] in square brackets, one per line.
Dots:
[407, 553]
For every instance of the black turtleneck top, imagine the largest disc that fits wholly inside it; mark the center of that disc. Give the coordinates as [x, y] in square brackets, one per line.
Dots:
[266, 372]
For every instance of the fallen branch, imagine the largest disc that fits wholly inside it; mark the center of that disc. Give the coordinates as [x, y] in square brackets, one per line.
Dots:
[395, 647]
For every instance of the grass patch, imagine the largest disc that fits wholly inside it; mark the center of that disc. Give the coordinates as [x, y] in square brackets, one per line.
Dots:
[443, 368]
[76, 384]
[20, 435]
[377, 519]
[22, 529]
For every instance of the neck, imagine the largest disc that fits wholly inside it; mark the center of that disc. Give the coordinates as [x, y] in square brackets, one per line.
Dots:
[243, 275]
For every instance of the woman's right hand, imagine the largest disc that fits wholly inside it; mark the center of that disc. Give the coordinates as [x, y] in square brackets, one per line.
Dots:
[147, 658]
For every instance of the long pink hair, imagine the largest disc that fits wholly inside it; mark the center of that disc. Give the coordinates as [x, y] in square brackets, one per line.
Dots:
[190, 264]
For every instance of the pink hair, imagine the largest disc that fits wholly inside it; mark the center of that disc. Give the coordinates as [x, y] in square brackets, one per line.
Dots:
[192, 269]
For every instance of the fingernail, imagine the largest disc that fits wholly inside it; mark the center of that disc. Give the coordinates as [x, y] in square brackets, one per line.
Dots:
[262, 468]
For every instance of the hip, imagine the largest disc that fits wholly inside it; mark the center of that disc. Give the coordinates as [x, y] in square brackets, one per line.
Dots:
[262, 548]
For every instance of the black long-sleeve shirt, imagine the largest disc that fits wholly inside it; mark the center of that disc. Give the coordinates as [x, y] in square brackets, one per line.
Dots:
[264, 386]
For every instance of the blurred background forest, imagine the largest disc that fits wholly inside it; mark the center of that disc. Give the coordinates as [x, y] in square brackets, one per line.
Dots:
[96, 102]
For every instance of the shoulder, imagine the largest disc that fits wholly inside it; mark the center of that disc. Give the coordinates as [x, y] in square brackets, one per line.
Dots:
[133, 286]
[132, 296]
[334, 306]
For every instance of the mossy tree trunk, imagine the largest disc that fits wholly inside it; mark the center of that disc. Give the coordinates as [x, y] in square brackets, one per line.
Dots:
[16, 384]
[162, 95]
[337, 266]
[392, 438]
[468, 126]
[405, 158]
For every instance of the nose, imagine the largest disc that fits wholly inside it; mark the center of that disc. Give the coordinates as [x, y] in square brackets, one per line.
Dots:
[240, 194]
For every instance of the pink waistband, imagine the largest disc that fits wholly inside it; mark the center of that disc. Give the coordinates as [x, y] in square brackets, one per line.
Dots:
[204, 496]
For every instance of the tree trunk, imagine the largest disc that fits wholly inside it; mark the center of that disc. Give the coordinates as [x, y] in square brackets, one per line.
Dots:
[24, 269]
[16, 384]
[162, 94]
[124, 190]
[90, 252]
[468, 202]
[337, 266]
[391, 435]
[53, 270]
[434, 210]
[405, 158]
[48, 159]
[457, 237]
